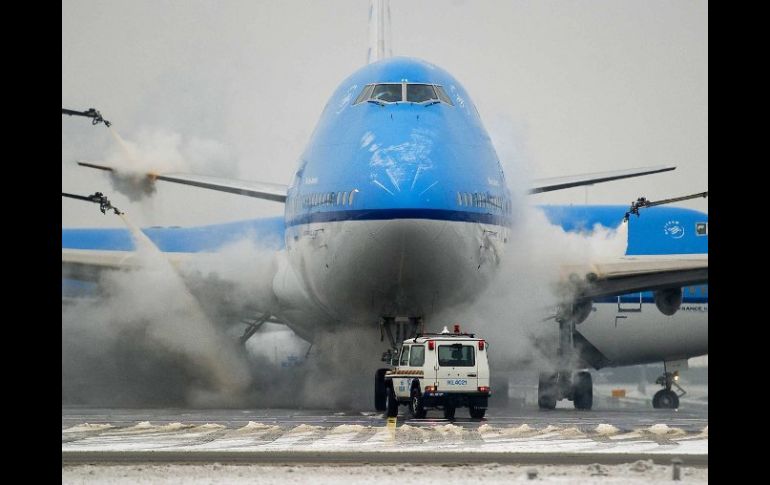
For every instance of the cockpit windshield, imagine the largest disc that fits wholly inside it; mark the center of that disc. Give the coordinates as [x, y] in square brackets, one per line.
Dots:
[385, 93]
[419, 93]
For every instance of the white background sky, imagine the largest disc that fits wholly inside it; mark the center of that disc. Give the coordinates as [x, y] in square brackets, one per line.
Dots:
[563, 87]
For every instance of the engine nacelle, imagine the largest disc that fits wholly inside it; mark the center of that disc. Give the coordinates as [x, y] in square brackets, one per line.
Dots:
[669, 300]
[577, 312]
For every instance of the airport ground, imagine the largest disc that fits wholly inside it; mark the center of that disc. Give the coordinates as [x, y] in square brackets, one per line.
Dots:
[622, 440]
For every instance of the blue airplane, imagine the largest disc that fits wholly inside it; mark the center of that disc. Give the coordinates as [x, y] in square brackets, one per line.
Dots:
[399, 208]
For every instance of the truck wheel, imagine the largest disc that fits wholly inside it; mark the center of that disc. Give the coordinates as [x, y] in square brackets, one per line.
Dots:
[380, 391]
[391, 409]
[477, 413]
[416, 409]
[449, 411]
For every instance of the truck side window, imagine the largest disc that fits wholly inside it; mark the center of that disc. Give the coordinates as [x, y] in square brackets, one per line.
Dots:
[417, 358]
[404, 355]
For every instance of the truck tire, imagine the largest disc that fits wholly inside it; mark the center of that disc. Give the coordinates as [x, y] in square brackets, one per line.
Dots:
[449, 411]
[477, 413]
[391, 409]
[380, 391]
[416, 408]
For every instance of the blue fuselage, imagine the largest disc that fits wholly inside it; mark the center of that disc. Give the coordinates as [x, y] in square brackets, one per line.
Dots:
[400, 160]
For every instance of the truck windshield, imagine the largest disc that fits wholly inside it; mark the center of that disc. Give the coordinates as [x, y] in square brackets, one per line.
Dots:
[417, 357]
[456, 355]
[404, 355]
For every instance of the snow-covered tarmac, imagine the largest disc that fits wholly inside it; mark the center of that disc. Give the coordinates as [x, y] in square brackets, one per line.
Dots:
[260, 438]
[625, 446]
[638, 472]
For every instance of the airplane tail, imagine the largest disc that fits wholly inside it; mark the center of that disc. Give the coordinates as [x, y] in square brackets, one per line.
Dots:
[379, 31]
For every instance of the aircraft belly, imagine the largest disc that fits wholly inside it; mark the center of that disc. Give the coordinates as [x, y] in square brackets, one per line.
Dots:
[628, 338]
[362, 270]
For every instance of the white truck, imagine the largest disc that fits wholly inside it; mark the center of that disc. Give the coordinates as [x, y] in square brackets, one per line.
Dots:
[436, 371]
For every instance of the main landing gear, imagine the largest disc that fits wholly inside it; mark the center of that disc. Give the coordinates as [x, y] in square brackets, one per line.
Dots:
[565, 384]
[577, 387]
[667, 398]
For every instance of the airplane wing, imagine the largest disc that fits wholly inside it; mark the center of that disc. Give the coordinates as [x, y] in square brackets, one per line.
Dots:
[89, 264]
[260, 190]
[559, 183]
[633, 274]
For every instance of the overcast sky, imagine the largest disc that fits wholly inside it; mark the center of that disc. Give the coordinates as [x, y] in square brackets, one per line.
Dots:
[563, 87]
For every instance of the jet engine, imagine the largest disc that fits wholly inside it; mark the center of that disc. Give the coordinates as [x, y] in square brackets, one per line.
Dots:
[668, 300]
[576, 311]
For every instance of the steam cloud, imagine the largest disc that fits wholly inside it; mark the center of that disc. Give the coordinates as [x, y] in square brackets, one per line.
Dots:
[168, 336]
[157, 338]
[160, 151]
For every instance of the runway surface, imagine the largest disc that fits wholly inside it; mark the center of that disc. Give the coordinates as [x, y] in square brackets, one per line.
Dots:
[691, 420]
[512, 436]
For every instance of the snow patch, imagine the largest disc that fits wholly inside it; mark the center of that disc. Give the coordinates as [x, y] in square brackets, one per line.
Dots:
[449, 430]
[606, 429]
[663, 429]
[347, 428]
[413, 432]
[85, 427]
[304, 428]
[523, 430]
[597, 470]
[572, 432]
[641, 466]
[210, 427]
[252, 426]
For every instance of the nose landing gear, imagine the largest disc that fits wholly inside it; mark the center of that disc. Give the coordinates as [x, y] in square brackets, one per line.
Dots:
[667, 398]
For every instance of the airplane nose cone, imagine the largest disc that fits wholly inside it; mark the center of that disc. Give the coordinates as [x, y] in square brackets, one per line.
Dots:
[409, 266]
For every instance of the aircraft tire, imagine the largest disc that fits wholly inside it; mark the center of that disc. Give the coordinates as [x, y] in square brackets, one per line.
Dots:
[547, 390]
[665, 399]
[583, 391]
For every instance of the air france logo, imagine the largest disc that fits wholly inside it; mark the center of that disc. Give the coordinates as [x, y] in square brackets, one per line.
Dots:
[674, 229]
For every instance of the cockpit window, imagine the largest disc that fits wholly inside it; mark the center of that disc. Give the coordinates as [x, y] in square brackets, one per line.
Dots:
[420, 93]
[443, 96]
[387, 93]
[364, 94]
[394, 93]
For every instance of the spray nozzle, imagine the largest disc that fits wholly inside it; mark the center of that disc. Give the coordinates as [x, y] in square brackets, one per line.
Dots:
[642, 202]
[97, 198]
[89, 113]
